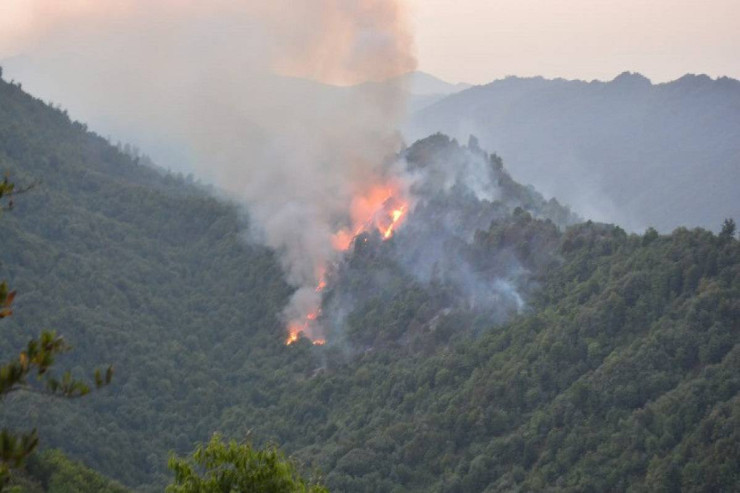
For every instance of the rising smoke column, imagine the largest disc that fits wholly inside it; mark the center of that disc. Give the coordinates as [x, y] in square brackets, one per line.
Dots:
[237, 86]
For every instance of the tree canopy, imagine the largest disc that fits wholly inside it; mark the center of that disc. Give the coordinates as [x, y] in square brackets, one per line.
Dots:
[618, 371]
[36, 360]
[225, 467]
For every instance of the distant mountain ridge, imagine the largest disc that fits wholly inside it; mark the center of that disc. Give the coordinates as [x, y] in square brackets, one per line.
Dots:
[424, 84]
[625, 151]
[622, 373]
[420, 89]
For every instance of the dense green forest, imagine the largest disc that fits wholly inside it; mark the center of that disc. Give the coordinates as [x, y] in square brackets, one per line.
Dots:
[620, 370]
[52, 472]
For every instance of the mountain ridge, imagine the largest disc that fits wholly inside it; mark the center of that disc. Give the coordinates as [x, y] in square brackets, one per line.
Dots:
[603, 147]
[620, 373]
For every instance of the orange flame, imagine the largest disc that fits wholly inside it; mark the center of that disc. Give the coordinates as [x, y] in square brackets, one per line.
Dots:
[381, 208]
[307, 325]
[396, 215]
[298, 329]
[293, 335]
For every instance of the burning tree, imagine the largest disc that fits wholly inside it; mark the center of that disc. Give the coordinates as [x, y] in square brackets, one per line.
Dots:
[382, 209]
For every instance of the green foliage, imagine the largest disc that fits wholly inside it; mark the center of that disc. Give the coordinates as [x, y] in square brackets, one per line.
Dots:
[728, 229]
[620, 373]
[140, 268]
[52, 472]
[222, 467]
[38, 358]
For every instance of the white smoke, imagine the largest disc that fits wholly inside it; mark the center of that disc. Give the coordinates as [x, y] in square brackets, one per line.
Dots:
[238, 87]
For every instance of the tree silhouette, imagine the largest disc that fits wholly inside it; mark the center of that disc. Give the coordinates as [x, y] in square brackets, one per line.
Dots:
[728, 229]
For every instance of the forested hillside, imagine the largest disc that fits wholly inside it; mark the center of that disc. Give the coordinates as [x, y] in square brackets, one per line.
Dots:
[52, 472]
[623, 376]
[607, 360]
[137, 269]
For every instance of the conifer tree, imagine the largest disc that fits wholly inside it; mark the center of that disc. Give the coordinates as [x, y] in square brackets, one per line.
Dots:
[31, 370]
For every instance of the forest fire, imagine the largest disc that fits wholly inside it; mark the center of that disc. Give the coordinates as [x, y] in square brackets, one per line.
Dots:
[381, 209]
[305, 327]
[296, 329]
[396, 216]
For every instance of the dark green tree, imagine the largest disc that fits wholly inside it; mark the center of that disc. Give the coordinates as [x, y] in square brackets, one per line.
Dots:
[225, 467]
[728, 229]
[31, 371]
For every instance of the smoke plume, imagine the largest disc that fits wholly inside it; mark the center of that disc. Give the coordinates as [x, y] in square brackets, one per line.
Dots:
[265, 98]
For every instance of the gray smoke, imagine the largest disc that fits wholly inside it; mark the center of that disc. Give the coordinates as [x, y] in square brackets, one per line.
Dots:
[240, 89]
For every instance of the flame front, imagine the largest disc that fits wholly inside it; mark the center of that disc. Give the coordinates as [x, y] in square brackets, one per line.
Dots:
[307, 325]
[296, 329]
[396, 216]
[293, 334]
[381, 208]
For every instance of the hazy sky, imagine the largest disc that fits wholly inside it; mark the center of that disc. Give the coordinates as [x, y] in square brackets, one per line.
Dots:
[480, 40]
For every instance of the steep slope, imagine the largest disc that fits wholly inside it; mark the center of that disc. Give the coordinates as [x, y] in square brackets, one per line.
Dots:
[150, 273]
[619, 370]
[434, 265]
[134, 268]
[626, 151]
[624, 376]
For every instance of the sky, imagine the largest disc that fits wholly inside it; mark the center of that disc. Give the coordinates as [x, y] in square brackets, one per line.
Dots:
[477, 41]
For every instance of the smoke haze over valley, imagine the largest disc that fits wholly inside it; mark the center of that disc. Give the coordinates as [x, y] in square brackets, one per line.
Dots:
[298, 225]
[294, 151]
[625, 151]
